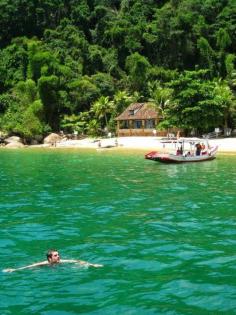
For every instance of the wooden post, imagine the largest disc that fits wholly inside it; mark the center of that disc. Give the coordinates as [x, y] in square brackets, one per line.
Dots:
[118, 128]
[130, 127]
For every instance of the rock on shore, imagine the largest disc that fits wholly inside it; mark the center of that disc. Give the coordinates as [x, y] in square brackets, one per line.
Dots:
[15, 145]
[14, 142]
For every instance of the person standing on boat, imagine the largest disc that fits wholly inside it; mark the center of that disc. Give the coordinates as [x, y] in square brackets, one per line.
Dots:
[198, 149]
[53, 258]
[203, 149]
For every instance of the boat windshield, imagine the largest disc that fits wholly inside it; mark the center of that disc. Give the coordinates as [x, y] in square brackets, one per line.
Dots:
[186, 146]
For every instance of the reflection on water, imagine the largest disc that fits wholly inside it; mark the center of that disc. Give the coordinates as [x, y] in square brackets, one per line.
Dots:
[166, 234]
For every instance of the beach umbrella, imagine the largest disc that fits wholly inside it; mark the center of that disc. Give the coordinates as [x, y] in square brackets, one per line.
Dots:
[52, 139]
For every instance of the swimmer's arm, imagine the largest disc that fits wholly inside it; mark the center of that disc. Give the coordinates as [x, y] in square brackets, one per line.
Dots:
[42, 263]
[81, 262]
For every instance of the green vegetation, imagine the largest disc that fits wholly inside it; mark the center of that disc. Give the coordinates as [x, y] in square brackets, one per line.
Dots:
[76, 64]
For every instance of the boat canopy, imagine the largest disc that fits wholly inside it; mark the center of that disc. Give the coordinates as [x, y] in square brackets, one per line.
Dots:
[186, 140]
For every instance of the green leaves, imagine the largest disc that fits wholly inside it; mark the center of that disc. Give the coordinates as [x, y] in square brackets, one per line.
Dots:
[199, 104]
[223, 39]
[76, 53]
[71, 123]
[101, 108]
[138, 68]
[24, 111]
[48, 90]
[82, 93]
[161, 96]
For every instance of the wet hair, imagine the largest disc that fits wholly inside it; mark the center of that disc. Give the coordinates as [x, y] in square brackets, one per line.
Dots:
[49, 253]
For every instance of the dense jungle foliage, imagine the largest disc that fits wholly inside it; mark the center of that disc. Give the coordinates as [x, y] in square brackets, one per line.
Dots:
[76, 64]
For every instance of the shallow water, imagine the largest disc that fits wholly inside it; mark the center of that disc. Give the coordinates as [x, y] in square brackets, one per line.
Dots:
[165, 233]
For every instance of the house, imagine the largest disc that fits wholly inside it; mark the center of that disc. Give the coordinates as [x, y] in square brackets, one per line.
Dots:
[139, 119]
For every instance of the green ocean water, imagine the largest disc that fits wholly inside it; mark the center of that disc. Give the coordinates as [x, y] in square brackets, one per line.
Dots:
[166, 234]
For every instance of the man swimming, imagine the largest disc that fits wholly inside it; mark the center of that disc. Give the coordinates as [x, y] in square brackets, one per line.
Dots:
[53, 258]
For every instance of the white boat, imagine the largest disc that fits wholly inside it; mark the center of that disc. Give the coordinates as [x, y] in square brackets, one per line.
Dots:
[184, 150]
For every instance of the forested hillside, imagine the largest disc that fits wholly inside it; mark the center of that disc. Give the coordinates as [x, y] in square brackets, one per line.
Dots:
[76, 64]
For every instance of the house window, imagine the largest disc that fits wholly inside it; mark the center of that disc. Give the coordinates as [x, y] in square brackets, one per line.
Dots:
[132, 112]
[150, 123]
[137, 124]
[124, 124]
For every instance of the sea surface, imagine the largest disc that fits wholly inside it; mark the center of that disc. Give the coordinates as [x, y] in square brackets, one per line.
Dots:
[166, 234]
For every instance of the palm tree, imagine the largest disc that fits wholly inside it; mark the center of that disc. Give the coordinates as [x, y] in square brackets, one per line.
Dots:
[122, 100]
[101, 108]
[160, 96]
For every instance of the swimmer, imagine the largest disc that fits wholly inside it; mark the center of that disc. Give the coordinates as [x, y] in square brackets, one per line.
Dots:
[53, 258]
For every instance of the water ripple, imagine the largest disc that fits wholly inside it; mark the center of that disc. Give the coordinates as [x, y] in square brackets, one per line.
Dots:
[166, 235]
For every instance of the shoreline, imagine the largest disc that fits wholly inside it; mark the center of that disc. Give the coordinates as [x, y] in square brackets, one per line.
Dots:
[225, 145]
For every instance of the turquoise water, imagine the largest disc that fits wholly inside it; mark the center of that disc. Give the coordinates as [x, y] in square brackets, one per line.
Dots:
[166, 234]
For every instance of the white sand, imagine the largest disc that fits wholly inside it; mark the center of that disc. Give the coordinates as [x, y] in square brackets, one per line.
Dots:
[145, 143]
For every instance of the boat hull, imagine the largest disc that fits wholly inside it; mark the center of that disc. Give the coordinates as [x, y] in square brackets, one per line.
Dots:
[172, 158]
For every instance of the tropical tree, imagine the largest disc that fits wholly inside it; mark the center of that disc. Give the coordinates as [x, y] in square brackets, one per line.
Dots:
[225, 99]
[207, 55]
[78, 51]
[6, 100]
[195, 104]
[82, 93]
[24, 113]
[48, 90]
[231, 71]
[161, 96]
[104, 82]
[41, 63]
[13, 64]
[31, 122]
[101, 109]
[121, 100]
[94, 127]
[70, 123]
[138, 69]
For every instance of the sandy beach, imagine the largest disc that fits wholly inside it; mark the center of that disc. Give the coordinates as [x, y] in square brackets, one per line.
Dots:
[227, 145]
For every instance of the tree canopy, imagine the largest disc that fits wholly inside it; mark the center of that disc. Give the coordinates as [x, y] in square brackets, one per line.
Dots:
[79, 61]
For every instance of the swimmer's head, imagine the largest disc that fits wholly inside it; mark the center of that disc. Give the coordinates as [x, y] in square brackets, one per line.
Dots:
[53, 256]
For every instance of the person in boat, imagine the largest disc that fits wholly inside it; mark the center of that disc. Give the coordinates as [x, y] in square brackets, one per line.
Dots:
[203, 148]
[53, 258]
[198, 149]
[180, 150]
[187, 154]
